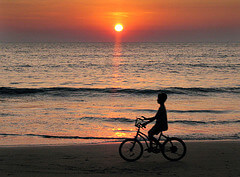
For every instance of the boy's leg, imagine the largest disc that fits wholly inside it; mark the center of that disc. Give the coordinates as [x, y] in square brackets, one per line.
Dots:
[151, 134]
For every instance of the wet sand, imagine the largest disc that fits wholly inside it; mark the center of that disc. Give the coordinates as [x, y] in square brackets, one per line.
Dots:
[211, 158]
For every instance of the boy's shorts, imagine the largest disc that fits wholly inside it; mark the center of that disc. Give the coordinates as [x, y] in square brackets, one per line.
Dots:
[156, 129]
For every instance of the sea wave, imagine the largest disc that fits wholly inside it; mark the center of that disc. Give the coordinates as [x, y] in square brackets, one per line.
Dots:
[189, 122]
[185, 111]
[57, 136]
[65, 91]
[123, 120]
[203, 122]
[202, 111]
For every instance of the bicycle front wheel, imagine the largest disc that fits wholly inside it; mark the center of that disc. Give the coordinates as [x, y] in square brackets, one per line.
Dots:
[174, 149]
[130, 150]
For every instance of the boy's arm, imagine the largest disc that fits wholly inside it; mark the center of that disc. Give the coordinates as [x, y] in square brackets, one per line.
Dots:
[150, 119]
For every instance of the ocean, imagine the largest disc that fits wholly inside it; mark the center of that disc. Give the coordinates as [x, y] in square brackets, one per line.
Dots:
[58, 93]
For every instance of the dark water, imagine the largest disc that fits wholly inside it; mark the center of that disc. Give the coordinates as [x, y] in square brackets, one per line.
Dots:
[86, 91]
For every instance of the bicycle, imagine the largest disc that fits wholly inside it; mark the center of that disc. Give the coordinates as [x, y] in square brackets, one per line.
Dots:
[131, 149]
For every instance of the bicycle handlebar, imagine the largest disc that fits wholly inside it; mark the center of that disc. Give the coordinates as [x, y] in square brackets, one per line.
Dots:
[139, 123]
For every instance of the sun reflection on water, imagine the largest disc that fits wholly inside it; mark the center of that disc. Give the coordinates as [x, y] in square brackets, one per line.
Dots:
[116, 61]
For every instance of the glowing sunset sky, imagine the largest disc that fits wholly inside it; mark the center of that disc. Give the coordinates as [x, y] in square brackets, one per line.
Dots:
[143, 20]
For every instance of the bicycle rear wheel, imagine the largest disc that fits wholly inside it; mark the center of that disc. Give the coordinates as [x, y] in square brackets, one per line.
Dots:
[130, 150]
[174, 149]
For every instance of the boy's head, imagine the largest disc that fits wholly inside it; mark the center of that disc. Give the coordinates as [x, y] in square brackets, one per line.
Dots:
[162, 97]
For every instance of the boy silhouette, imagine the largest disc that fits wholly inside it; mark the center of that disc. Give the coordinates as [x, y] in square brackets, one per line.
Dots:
[161, 120]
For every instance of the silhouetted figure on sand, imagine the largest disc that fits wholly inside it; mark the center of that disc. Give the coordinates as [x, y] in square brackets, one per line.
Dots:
[161, 119]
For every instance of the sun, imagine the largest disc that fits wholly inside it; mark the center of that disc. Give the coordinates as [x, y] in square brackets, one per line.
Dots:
[118, 27]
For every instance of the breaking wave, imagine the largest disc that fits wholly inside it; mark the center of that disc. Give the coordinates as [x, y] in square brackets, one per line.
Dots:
[65, 91]
[189, 122]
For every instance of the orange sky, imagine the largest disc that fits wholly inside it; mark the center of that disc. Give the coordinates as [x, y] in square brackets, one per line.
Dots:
[143, 20]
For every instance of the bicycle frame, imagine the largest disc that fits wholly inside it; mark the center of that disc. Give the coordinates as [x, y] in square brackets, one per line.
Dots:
[146, 138]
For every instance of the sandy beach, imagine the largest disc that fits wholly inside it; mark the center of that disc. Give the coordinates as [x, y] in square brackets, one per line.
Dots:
[212, 158]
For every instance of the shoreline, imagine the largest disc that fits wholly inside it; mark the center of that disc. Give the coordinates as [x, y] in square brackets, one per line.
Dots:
[211, 158]
[101, 143]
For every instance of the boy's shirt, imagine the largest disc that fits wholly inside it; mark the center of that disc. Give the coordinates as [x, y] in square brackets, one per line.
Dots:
[161, 118]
